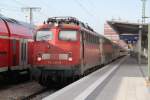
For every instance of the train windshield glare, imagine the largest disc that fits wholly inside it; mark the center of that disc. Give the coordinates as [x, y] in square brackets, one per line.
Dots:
[68, 35]
[44, 35]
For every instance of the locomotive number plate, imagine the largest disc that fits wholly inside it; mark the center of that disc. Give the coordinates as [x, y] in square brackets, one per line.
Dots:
[45, 56]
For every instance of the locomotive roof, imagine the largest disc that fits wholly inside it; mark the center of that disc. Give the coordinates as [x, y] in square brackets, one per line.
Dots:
[68, 20]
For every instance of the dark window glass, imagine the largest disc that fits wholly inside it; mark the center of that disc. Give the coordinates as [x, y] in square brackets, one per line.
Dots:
[44, 35]
[68, 35]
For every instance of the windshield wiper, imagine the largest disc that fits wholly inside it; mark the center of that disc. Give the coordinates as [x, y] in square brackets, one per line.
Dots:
[43, 36]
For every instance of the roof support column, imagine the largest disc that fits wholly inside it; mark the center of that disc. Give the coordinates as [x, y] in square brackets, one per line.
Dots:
[139, 44]
[149, 52]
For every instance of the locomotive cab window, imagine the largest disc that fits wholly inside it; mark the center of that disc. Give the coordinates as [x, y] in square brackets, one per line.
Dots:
[44, 35]
[68, 35]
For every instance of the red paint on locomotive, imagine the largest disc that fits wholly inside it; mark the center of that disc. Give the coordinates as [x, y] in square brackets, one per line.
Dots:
[56, 48]
[55, 57]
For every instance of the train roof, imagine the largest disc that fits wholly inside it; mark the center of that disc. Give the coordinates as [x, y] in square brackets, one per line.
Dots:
[14, 21]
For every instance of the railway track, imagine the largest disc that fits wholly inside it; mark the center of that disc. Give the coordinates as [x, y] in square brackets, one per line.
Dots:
[25, 91]
[38, 95]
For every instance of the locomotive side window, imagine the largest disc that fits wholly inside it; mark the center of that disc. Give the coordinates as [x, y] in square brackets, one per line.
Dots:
[68, 35]
[44, 35]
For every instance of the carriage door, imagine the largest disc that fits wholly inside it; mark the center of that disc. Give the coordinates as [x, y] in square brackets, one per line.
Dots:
[14, 52]
[83, 47]
[23, 52]
[101, 51]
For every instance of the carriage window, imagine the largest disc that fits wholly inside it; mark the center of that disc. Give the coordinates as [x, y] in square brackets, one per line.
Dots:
[44, 35]
[68, 35]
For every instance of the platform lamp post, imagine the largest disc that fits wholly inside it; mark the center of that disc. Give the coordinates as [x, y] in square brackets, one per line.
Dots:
[149, 52]
[139, 44]
[143, 10]
[143, 22]
[141, 30]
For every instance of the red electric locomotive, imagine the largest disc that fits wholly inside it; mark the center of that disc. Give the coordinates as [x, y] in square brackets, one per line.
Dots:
[15, 46]
[67, 48]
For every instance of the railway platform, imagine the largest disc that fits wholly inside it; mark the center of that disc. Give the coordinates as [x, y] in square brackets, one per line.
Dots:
[123, 79]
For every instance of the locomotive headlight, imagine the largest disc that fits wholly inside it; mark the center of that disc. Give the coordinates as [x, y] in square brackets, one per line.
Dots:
[70, 58]
[56, 24]
[39, 58]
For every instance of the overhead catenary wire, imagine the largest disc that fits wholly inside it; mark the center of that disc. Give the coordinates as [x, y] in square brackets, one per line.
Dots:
[6, 7]
[30, 8]
[41, 12]
[57, 11]
[83, 8]
[86, 11]
[4, 10]
[92, 5]
[45, 17]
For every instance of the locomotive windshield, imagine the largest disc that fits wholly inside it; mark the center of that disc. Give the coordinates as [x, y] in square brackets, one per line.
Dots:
[68, 35]
[44, 35]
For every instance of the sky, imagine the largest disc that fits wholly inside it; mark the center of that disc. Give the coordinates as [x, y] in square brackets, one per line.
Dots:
[93, 12]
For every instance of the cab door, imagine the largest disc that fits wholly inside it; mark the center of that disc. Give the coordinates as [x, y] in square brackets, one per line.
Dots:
[23, 52]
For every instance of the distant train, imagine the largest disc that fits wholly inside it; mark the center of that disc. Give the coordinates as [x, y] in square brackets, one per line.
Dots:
[15, 47]
[66, 48]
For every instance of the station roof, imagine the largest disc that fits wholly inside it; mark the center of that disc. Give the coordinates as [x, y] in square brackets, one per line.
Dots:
[127, 28]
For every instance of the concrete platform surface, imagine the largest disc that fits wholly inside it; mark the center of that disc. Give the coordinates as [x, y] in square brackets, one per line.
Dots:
[128, 83]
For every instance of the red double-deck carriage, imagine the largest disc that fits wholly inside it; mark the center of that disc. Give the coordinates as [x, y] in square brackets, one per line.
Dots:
[15, 46]
[67, 48]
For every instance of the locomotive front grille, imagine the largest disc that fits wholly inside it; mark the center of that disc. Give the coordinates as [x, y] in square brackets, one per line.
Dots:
[63, 56]
[47, 56]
